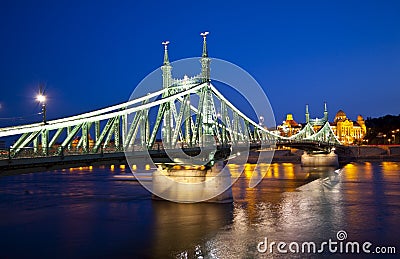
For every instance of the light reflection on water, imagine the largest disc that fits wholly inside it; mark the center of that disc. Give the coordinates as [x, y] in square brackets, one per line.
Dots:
[92, 212]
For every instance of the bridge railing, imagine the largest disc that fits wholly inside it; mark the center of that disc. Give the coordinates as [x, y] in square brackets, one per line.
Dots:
[30, 152]
[58, 151]
[308, 141]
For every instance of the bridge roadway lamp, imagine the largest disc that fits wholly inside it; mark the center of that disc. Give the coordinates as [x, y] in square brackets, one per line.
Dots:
[42, 100]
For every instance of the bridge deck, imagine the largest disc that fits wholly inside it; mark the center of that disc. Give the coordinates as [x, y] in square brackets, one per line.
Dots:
[34, 164]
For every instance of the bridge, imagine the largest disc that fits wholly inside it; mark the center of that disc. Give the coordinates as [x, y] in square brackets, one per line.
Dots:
[187, 114]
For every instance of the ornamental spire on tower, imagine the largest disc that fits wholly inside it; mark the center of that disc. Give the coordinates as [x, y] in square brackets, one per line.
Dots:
[166, 67]
[205, 60]
[205, 52]
[307, 114]
[325, 112]
[166, 60]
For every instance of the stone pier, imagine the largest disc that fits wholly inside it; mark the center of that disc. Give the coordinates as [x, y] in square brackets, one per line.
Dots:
[316, 160]
[190, 184]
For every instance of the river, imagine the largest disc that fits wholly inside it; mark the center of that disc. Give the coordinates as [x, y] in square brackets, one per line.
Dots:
[101, 212]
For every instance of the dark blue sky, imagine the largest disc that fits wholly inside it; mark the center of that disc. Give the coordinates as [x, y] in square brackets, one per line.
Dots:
[92, 54]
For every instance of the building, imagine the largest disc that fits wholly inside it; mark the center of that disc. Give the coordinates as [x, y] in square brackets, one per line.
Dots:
[348, 131]
[289, 126]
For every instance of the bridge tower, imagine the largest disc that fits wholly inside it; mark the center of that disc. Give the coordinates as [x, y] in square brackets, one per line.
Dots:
[325, 112]
[166, 67]
[317, 122]
[207, 132]
[307, 115]
[167, 80]
[205, 60]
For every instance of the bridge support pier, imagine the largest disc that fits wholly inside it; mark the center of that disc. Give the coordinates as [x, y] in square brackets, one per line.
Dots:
[190, 184]
[316, 160]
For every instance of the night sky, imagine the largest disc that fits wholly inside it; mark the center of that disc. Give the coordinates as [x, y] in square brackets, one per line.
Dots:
[92, 54]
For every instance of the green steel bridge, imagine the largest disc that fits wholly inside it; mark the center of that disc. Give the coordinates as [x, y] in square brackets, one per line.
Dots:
[186, 118]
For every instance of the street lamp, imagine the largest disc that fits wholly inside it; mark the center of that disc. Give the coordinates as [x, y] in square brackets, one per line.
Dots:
[41, 98]
[389, 141]
[394, 139]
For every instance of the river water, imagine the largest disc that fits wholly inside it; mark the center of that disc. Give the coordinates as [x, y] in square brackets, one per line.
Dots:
[101, 212]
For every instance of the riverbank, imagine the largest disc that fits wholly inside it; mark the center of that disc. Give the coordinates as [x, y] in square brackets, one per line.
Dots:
[353, 153]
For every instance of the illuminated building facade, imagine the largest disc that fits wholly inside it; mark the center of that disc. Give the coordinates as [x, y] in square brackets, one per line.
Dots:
[348, 131]
[289, 126]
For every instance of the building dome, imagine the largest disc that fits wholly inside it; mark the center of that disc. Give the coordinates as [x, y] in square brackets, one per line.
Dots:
[360, 118]
[340, 115]
[290, 121]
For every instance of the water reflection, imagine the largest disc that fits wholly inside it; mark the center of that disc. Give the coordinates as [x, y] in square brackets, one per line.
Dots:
[371, 192]
[291, 204]
[180, 228]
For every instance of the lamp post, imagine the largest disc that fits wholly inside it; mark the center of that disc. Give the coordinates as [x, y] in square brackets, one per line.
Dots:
[384, 136]
[395, 132]
[42, 100]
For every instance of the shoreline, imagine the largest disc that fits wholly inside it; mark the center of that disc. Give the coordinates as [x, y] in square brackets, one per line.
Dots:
[381, 153]
[354, 154]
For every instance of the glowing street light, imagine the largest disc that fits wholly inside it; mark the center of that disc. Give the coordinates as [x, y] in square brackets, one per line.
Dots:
[41, 98]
